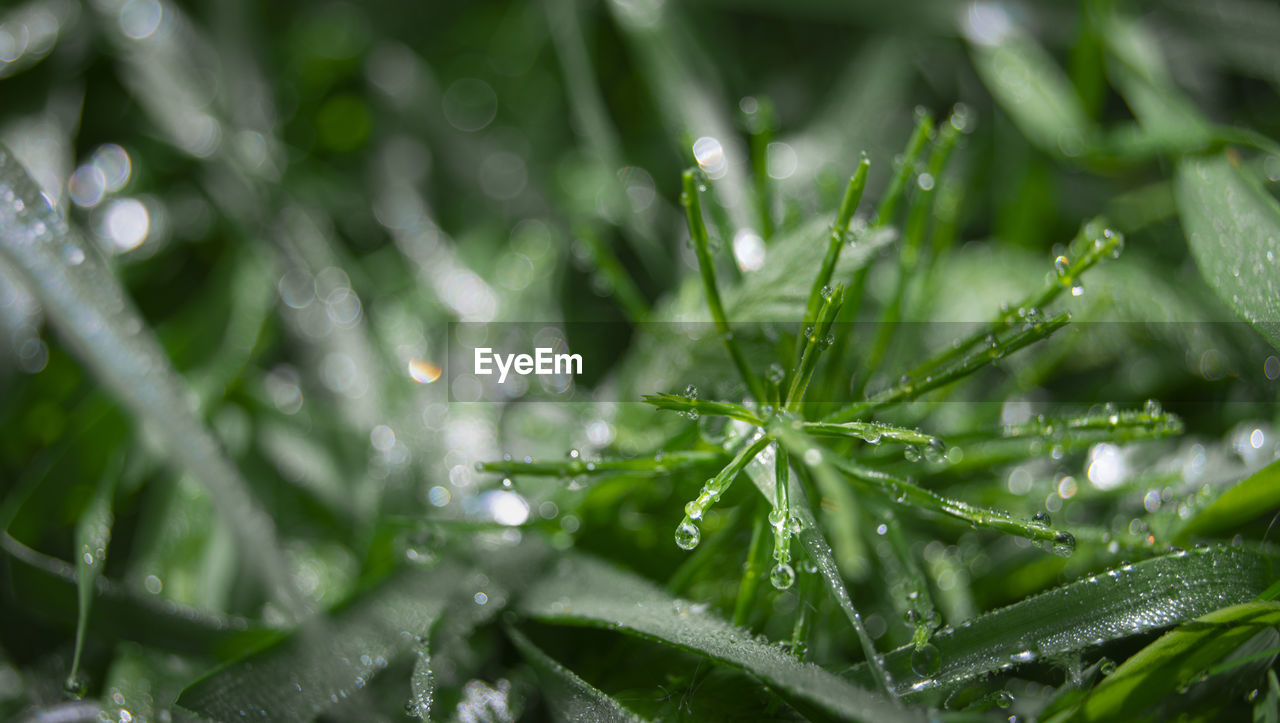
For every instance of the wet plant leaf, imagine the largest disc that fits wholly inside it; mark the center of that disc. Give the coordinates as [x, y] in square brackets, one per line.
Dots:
[1255, 495]
[1125, 601]
[586, 591]
[1176, 659]
[571, 698]
[1233, 227]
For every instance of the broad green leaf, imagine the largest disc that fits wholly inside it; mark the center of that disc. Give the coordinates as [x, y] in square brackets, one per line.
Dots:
[1026, 82]
[89, 307]
[1255, 495]
[1233, 227]
[589, 592]
[329, 659]
[571, 698]
[1174, 660]
[1119, 603]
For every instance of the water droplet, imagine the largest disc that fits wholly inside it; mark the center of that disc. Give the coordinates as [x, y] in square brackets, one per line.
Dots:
[1077, 289]
[1061, 265]
[777, 518]
[693, 511]
[1153, 408]
[826, 292]
[72, 255]
[1041, 518]
[1107, 667]
[912, 453]
[1004, 699]
[507, 483]
[1064, 544]
[691, 392]
[688, 535]
[776, 373]
[926, 660]
[783, 576]
[935, 451]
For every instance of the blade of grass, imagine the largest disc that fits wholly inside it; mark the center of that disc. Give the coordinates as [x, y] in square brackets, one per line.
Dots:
[571, 698]
[706, 266]
[1126, 601]
[93, 537]
[588, 592]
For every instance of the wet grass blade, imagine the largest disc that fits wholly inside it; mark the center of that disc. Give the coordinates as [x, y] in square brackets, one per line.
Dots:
[571, 698]
[588, 592]
[1257, 494]
[100, 324]
[1119, 603]
[1175, 659]
[1233, 227]
[93, 536]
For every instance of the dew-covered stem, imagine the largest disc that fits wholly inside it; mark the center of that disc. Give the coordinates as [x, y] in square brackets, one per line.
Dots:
[816, 337]
[914, 386]
[918, 216]
[662, 463]
[693, 405]
[910, 588]
[836, 240]
[102, 327]
[870, 432]
[904, 168]
[706, 266]
[1092, 243]
[905, 492]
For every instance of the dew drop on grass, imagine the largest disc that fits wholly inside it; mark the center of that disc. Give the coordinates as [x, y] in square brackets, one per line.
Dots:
[912, 453]
[1064, 544]
[574, 454]
[926, 660]
[1004, 699]
[693, 511]
[826, 292]
[688, 535]
[935, 451]
[777, 518]
[1041, 518]
[783, 576]
[1107, 667]
[1061, 265]
[1077, 289]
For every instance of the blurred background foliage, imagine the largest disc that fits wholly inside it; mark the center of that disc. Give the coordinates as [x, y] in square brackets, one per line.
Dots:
[299, 196]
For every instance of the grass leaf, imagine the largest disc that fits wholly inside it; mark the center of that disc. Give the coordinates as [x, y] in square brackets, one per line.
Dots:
[571, 698]
[1233, 227]
[1119, 603]
[585, 591]
[1257, 494]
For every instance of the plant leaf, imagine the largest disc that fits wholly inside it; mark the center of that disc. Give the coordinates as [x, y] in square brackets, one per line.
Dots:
[589, 592]
[1174, 659]
[1233, 227]
[1026, 82]
[329, 659]
[93, 535]
[1119, 603]
[100, 324]
[1257, 494]
[571, 698]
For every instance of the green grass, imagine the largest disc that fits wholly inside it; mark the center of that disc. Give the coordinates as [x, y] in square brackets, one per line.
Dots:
[932, 361]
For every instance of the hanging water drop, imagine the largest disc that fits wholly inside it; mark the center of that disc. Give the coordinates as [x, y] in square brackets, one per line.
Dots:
[912, 453]
[1061, 265]
[1064, 544]
[1077, 289]
[782, 577]
[935, 451]
[688, 535]
[926, 660]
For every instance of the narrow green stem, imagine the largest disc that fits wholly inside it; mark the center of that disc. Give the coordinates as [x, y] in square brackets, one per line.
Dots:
[915, 386]
[1094, 242]
[836, 240]
[718, 485]
[814, 343]
[698, 231]
[873, 432]
[709, 407]
[574, 467]
[749, 586]
[624, 287]
[804, 617]
[761, 123]
[904, 170]
[921, 210]
[904, 492]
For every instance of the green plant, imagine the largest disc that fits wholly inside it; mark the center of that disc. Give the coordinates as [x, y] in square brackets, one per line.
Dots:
[236, 482]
